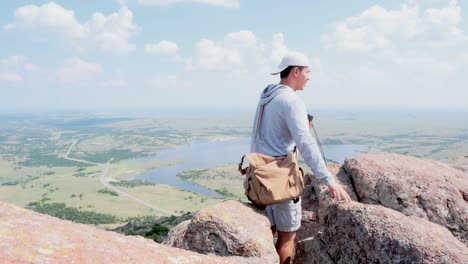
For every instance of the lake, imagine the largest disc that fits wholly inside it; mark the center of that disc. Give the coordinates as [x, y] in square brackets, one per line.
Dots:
[197, 154]
[206, 154]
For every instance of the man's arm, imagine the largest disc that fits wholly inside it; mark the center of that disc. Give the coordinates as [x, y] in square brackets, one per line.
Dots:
[299, 128]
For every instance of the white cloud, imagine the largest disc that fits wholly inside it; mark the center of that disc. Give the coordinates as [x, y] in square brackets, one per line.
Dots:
[51, 16]
[403, 50]
[76, 69]
[163, 47]
[223, 54]
[219, 3]
[115, 83]
[243, 38]
[241, 53]
[111, 33]
[209, 56]
[377, 28]
[10, 77]
[442, 24]
[18, 62]
[278, 47]
[374, 28]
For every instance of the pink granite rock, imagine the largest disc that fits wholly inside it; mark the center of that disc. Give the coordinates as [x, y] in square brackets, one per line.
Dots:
[424, 188]
[359, 233]
[229, 228]
[460, 164]
[176, 236]
[30, 237]
[316, 194]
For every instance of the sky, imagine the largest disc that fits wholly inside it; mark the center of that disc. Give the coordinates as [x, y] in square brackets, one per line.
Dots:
[218, 54]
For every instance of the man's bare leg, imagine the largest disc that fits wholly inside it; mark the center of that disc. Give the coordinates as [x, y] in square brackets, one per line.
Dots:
[285, 246]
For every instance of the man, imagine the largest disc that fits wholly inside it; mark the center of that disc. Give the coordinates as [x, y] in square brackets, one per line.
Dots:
[283, 126]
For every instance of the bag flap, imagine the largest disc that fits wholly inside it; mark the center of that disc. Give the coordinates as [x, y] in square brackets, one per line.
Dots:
[257, 159]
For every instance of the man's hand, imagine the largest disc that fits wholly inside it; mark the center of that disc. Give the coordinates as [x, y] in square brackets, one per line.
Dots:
[337, 191]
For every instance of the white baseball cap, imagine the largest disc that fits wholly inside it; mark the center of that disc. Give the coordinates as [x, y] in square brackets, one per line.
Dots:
[292, 59]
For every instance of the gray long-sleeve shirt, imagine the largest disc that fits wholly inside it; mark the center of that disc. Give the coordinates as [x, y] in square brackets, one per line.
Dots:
[284, 124]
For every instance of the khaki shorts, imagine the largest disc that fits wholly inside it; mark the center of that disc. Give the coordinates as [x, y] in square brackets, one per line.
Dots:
[285, 216]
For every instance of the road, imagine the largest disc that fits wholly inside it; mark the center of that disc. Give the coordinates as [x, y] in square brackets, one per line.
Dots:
[105, 181]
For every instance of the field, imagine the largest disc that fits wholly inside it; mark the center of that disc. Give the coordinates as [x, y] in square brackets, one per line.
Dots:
[33, 168]
[224, 180]
[83, 193]
[441, 135]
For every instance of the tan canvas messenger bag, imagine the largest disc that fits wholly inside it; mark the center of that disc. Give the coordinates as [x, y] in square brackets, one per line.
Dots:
[270, 180]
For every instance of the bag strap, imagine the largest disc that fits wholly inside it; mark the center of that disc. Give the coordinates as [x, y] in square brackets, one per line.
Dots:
[259, 122]
[257, 132]
[240, 169]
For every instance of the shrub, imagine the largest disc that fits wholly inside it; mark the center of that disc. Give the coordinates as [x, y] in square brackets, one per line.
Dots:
[158, 232]
[108, 191]
[60, 210]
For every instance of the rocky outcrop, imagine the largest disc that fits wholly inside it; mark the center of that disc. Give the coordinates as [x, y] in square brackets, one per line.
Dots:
[358, 233]
[344, 179]
[229, 228]
[310, 207]
[316, 196]
[460, 164]
[176, 236]
[30, 237]
[405, 210]
[424, 188]
[310, 201]
[364, 233]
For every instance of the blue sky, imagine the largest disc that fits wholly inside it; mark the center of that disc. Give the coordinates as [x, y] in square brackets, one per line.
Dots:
[218, 53]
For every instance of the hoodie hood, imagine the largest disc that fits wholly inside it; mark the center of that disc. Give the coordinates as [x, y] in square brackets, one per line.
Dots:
[271, 91]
